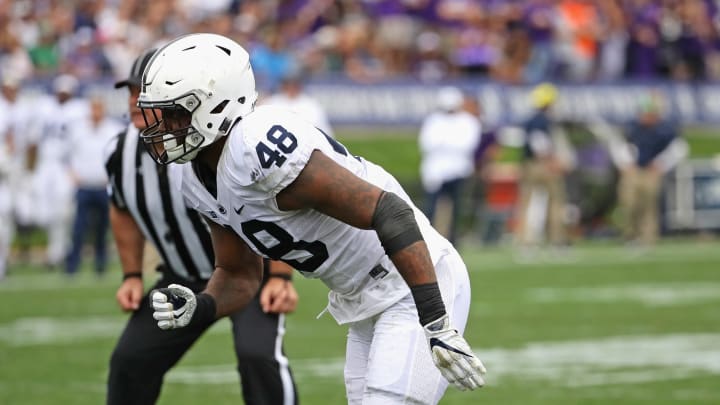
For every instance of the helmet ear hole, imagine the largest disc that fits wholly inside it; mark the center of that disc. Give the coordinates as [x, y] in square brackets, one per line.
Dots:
[220, 107]
[241, 100]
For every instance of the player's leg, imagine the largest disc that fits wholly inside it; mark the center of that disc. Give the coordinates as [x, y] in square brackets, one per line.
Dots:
[627, 199]
[359, 339]
[264, 370]
[143, 354]
[80, 225]
[6, 228]
[101, 229]
[400, 368]
[60, 209]
[649, 222]
[454, 189]
[556, 210]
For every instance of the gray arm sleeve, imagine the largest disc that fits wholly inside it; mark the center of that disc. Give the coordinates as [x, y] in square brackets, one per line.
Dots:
[394, 222]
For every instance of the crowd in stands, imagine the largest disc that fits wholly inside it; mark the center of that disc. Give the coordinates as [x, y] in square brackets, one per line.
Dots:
[518, 41]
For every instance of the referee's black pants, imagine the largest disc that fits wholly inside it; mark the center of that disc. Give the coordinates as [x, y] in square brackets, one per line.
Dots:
[144, 353]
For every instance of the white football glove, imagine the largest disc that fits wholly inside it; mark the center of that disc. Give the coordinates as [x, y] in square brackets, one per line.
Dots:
[452, 355]
[174, 306]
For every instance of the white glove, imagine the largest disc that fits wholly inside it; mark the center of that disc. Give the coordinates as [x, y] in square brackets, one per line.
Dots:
[174, 306]
[452, 355]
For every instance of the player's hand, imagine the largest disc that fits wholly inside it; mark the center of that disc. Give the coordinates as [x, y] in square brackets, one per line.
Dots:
[452, 355]
[278, 296]
[174, 306]
[129, 294]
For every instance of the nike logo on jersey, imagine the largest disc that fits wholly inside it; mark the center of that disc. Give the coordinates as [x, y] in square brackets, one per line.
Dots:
[437, 342]
[239, 210]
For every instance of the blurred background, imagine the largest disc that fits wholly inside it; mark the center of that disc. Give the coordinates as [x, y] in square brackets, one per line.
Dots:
[569, 148]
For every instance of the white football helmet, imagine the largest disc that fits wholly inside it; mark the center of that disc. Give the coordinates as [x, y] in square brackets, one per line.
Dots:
[193, 90]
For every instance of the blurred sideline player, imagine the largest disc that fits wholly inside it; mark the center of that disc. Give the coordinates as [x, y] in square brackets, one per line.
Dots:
[542, 189]
[88, 138]
[52, 180]
[6, 218]
[654, 148]
[448, 139]
[271, 184]
[15, 118]
[143, 208]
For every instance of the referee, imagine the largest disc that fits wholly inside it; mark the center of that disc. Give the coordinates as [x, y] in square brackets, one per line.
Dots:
[143, 208]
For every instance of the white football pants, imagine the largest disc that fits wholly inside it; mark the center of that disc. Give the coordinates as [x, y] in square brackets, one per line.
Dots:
[55, 208]
[388, 358]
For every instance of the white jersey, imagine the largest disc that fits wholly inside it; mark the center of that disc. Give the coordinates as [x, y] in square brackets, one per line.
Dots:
[53, 136]
[15, 118]
[264, 154]
[447, 142]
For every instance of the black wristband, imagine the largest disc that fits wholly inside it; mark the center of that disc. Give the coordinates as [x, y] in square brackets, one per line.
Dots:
[134, 274]
[286, 277]
[428, 301]
[206, 309]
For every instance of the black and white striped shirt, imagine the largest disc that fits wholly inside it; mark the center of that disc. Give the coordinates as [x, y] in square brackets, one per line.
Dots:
[151, 193]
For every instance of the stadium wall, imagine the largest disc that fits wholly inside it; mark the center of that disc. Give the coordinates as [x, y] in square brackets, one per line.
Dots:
[407, 102]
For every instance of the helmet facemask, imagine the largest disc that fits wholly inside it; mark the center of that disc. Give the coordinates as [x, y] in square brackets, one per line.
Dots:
[169, 135]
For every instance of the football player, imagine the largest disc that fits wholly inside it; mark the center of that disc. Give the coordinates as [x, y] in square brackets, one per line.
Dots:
[273, 185]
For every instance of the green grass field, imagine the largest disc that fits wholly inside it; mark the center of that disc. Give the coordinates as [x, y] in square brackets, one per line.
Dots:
[603, 325]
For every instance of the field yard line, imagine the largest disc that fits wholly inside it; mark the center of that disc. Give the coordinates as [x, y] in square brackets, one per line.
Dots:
[630, 377]
[592, 362]
[650, 294]
[42, 331]
[592, 257]
[52, 282]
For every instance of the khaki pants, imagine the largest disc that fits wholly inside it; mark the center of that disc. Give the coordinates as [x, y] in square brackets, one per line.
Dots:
[638, 197]
[542, 205]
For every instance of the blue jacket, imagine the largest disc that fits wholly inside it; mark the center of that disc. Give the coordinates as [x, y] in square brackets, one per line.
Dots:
[651, 140]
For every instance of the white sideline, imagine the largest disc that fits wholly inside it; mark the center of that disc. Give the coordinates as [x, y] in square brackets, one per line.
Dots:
[581, 363]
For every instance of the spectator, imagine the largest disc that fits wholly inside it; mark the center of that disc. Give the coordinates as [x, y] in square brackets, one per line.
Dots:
[448, 139]
[537, 20]
[88, 138]
[272, 60]
[655, 148]
[577, 29]
[13, 57]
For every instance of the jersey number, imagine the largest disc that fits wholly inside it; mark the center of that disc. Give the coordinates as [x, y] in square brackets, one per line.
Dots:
[285, 245]
[283, 140]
